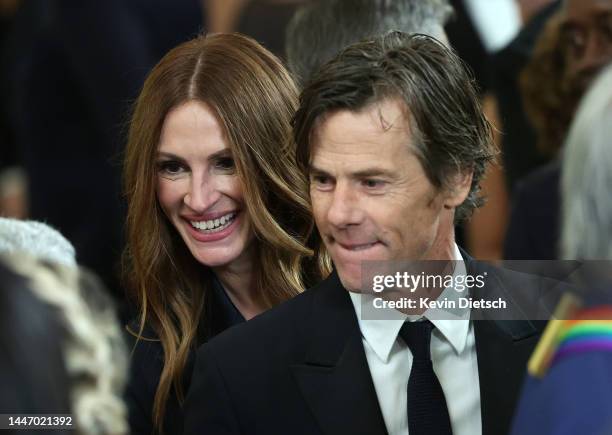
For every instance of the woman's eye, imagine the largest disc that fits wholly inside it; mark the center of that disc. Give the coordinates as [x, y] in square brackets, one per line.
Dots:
[170, 167]
[319, 179]
[226, 163]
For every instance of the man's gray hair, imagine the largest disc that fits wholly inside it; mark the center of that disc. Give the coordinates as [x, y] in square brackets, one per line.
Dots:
[586, 180]
[321, 28]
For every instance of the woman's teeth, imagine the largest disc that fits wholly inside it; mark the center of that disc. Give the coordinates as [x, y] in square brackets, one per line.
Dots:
[215, 225]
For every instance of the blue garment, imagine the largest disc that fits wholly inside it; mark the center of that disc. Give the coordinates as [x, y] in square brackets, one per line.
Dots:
[575, 397]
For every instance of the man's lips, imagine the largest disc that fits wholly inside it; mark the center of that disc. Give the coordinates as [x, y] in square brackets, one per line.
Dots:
[355, 247]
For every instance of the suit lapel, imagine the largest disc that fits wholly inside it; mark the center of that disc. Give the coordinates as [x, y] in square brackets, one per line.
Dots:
[502, 364]
[335, 379]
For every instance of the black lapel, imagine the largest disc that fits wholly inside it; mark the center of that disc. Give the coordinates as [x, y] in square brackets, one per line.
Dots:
[502, 349]
[502, 365]
[335, 379]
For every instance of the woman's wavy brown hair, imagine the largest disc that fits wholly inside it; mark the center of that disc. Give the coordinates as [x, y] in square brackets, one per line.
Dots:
[254, 99]
[545, 89]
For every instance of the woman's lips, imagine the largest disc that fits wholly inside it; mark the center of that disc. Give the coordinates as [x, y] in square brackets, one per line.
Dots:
[202, 236]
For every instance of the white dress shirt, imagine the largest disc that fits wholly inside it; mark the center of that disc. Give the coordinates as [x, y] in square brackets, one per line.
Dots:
[453, 354]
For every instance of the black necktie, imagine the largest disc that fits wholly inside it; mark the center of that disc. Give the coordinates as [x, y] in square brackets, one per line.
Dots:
[427, 411]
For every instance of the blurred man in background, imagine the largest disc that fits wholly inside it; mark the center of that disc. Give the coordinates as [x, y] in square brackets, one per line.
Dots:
[321, 28]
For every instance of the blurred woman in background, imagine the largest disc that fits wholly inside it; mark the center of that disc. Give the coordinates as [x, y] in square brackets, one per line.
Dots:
[219, 226]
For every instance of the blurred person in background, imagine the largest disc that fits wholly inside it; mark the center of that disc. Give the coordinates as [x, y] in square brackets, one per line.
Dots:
[72, 66]
[218, 217]
[507, 30]
[543, 86]
[575, 394]
[321, 28]
[63, 316]
[79, 324]
[533, 233]
[583, 32]
[520, 155]
[30, 329]
[263, 20]
[36, 238]
[13, 181]
[30, 332]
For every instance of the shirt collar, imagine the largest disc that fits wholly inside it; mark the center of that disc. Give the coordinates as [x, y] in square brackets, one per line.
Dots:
[381, 334]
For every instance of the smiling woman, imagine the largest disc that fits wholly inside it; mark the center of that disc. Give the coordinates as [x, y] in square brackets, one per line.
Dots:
[199, 192]
[219, 228]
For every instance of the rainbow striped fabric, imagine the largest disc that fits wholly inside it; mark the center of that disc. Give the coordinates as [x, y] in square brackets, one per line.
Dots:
[590, 330]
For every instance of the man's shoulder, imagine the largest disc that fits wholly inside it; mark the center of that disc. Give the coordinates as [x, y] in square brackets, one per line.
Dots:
[273, 328]
[530, 291]
[520, 274]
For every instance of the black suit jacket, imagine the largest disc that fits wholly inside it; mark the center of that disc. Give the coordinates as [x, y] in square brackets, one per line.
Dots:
[147, 363]
[301, 369]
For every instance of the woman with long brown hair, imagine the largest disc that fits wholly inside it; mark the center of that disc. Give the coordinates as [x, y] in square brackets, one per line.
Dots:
[219, 227]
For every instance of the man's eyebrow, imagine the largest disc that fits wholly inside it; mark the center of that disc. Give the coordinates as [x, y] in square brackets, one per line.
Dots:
[364, 173]
[372, 172]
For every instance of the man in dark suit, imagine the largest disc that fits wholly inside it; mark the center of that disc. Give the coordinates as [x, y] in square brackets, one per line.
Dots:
[394, 142]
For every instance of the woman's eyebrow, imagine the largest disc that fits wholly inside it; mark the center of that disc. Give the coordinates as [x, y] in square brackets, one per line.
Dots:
[225, 152]
[169, 155]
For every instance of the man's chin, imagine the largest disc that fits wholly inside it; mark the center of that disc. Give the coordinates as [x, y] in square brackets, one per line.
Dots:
[350, 279]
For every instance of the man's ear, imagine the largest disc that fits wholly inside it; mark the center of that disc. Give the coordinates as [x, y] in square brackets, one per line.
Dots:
[459, 189]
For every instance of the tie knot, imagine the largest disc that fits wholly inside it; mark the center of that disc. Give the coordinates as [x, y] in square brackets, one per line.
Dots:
[417, 336]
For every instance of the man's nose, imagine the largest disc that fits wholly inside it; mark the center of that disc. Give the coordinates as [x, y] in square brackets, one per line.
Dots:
[202, 194]
[344, 209]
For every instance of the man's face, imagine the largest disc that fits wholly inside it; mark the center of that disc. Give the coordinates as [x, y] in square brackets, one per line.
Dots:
[370, 195]
[586, 32]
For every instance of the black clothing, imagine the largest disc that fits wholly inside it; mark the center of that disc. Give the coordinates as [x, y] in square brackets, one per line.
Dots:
[534, 228]
[427, 409]
[301, 368]
[147, 364]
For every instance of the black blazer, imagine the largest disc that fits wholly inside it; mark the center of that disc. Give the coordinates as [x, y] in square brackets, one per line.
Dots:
[301, 369]
[147, 363]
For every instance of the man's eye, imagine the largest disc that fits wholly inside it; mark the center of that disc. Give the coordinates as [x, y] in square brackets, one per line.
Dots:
[372, 183]
[225, 163]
